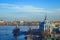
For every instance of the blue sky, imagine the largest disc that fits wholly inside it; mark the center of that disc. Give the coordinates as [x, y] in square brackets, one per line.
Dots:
[29, 10]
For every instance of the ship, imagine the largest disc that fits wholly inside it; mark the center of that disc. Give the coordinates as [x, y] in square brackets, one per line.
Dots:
[35, 34]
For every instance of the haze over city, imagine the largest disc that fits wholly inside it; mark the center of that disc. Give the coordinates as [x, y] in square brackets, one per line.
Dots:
[29, 10]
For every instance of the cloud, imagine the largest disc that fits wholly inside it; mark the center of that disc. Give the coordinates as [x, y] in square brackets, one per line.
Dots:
[55, 11]
[26, 12]
[25, 8]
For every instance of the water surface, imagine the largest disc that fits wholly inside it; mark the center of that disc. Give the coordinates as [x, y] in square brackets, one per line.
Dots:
[6, 32]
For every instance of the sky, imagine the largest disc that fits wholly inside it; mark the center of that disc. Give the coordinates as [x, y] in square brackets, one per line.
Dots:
[30, 10]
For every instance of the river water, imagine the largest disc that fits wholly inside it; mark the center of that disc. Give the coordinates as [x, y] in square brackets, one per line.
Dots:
[6, 32]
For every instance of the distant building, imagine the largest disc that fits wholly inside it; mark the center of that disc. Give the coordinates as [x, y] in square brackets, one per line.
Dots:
[2, 22]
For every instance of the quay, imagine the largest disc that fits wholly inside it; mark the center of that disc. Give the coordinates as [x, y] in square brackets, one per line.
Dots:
[24, 23]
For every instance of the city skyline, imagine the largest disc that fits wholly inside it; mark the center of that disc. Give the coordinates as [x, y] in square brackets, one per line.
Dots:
[29, 10]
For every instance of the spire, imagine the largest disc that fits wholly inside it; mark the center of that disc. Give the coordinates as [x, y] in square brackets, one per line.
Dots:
[45, 16]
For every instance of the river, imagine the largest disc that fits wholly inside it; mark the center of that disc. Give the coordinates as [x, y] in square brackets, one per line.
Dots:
[6, 32]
